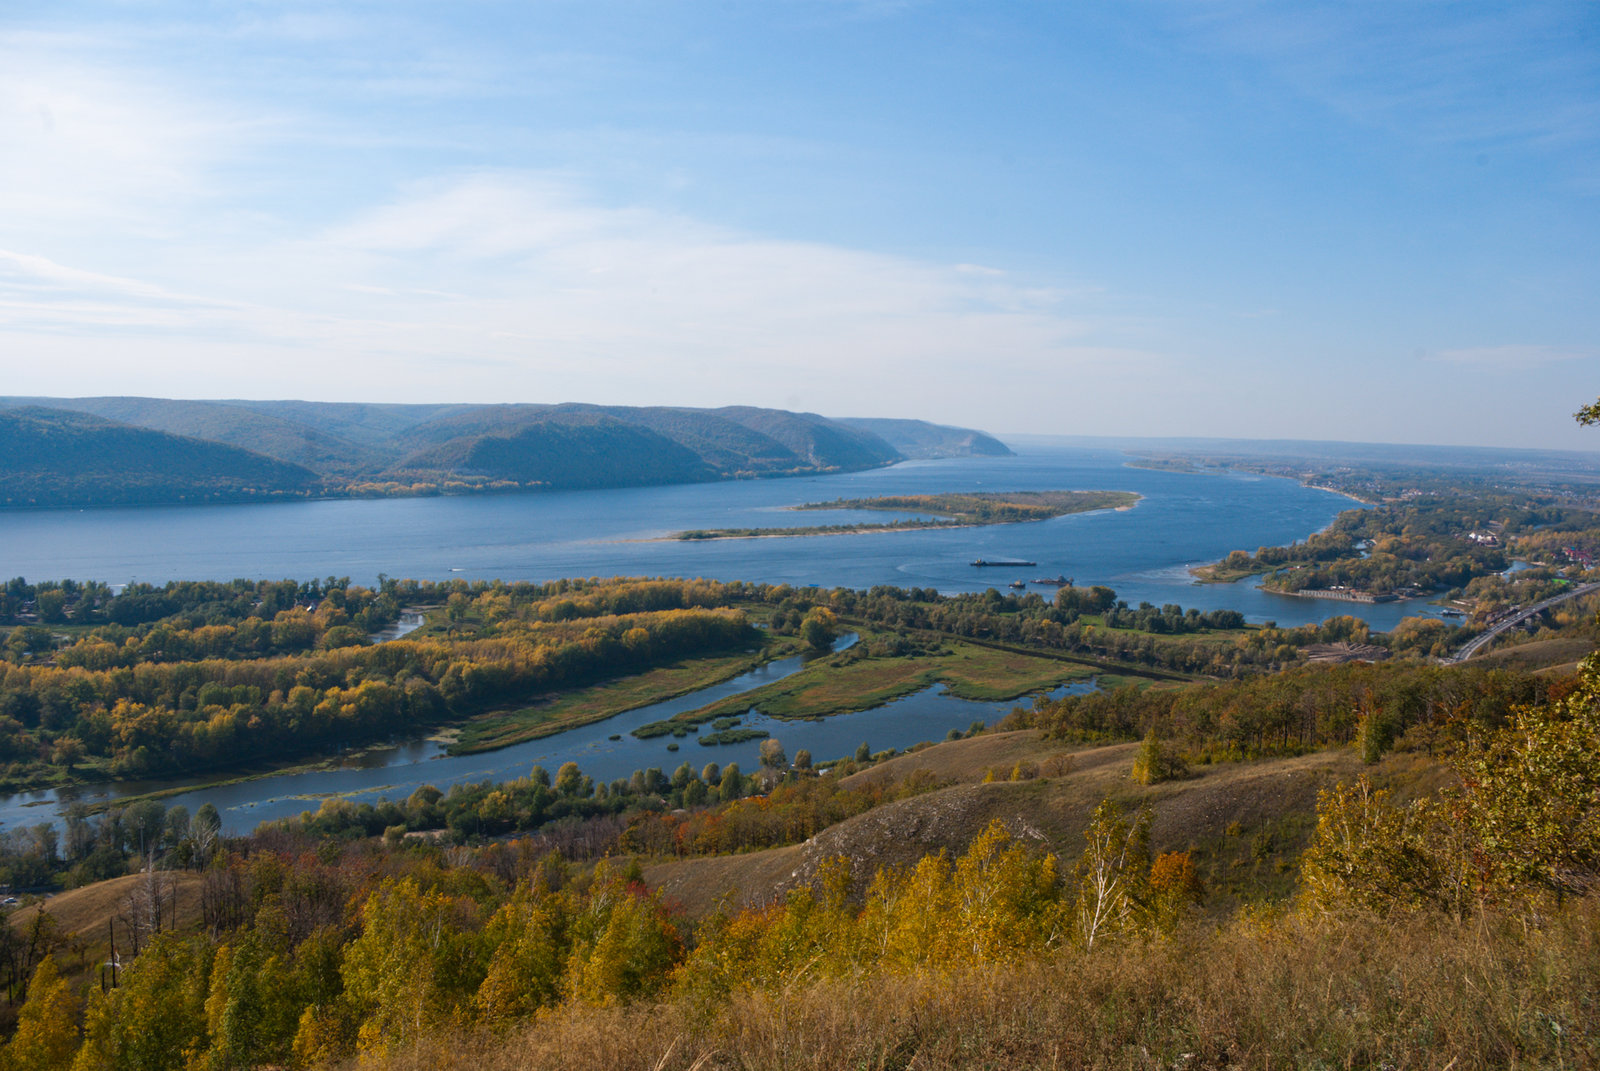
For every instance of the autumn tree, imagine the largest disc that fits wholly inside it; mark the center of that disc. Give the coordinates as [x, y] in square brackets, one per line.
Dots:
[156, 1018]
[1111, 875]
[414, 968]
[47, 1025]
[530, 938]
[624, 946]
[819, 628]
[772, 754]
[1365, 853]
[1156, 761]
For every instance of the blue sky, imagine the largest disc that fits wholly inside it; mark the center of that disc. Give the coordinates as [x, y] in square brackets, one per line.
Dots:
[1360, 220]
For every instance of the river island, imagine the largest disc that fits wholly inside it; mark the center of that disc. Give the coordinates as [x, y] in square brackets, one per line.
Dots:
[949, 510]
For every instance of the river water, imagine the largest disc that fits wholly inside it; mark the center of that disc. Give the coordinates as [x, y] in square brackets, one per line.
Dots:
[1144, 553]
[397, 770]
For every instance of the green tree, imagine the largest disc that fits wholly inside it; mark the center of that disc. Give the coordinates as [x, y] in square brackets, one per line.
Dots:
[529, 938]
[1156, 762]
[156, 1019]
[1533, 792]
[414, 968]
[1365, 853]
[568, 778]
[624, 946]
[254, 1008]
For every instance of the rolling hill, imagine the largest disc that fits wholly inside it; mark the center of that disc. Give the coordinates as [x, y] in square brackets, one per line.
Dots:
[123, 450]
[57, 458]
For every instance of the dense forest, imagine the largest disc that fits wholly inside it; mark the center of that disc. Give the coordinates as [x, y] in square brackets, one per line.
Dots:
[192, 676]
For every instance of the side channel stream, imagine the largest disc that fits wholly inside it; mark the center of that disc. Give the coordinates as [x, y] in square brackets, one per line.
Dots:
[398, 770]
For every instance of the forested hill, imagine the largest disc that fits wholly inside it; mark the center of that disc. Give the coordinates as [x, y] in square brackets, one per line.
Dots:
[58, 458]
[119, 450]
[918, 438]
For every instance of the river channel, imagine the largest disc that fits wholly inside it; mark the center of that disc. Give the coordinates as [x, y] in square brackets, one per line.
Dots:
[604, 750]
[1145, 553]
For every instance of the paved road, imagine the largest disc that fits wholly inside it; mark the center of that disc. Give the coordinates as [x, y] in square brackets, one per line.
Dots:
[1479, 642]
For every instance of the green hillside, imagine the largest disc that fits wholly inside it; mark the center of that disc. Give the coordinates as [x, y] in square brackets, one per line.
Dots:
[817, 440]
[57, 458]
[570, 451]
[234, 449]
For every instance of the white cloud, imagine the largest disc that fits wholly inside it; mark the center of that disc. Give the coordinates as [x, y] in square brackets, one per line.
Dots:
[510, 286]
[88, 148]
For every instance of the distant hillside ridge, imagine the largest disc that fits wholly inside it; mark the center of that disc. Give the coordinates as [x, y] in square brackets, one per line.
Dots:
[55, 458]
[567, 450]
[351, 448]
[918, 438]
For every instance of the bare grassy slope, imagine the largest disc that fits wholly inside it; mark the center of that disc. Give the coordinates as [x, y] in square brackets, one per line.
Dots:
[86, 911]
[970, 759]
[1246, 821]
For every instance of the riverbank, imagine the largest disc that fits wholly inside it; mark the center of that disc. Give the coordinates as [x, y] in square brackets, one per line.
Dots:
[856, 680]
[585, 706]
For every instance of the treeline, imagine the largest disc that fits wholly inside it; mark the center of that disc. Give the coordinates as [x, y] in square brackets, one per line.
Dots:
[306, 962]
[708, 811]
[163, 697]
[87, 847]
[989, 507]
[470, 812]
[195, 603]
[1432, 707]
[1093, 621]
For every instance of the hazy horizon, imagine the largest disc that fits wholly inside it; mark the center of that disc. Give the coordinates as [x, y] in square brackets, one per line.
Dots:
[1369, 224]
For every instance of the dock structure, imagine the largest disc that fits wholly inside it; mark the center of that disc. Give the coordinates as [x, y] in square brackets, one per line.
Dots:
[1346, 594]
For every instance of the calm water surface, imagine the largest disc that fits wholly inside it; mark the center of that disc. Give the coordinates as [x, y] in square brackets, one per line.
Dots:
[398, 770]
[1144, 553]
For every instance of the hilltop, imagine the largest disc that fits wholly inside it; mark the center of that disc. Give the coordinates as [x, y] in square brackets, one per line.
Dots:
[122, 450]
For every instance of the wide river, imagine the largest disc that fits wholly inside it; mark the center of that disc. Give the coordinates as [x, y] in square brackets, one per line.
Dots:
[1144, 553]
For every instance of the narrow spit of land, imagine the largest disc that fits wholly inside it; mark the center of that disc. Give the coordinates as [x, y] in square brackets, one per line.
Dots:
[953, 510]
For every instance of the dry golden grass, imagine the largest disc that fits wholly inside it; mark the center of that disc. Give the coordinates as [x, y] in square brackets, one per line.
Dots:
[1549, 654]
[85, 911]
[85, 914]
[1402, 994]
[971, 758]
[1246, 821]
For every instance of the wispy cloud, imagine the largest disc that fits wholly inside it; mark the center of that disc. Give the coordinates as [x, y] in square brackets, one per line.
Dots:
[552, 295]
[1435, 72]
[1514, 356]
